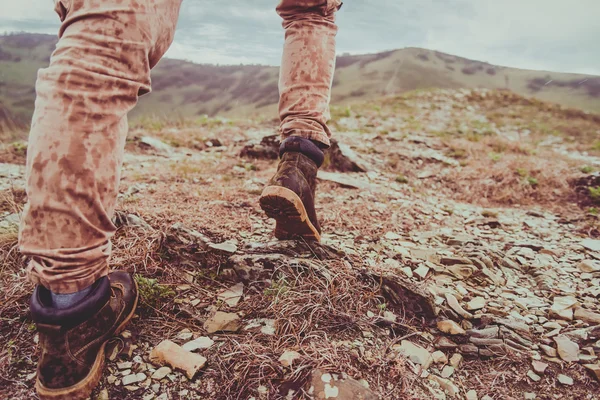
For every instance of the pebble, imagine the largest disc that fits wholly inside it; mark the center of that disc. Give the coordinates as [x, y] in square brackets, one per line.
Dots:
[567, 349]
[533, 376]
[450, 327]
[161, 373]
[222, 322]
[133, 378]
[471, 395]
[202, 342]
[565, 380]
[288, 357]
[414, 353]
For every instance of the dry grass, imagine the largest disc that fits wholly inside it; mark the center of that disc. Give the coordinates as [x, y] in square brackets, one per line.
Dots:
[497, 171]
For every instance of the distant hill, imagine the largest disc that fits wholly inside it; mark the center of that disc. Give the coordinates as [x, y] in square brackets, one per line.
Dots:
[184, 89]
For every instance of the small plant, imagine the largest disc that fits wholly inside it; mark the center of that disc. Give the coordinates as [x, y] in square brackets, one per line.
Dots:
[382, 306]
[522, 172]
[495, 157]
[595, 193]
[596, 145]
[586, 169]
[19, 148]
[401, 179]
[277, 288]
[593, 211]
[532, 181]
[152, 292]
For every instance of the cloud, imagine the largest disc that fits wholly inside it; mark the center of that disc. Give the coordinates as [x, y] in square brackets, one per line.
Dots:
[558, 35]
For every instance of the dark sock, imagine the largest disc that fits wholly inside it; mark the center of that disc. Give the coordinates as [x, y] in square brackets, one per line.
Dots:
[310, 148]
[62, 301]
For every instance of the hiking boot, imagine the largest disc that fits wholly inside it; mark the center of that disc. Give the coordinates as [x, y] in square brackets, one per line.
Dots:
[72, 340]
[289, 197]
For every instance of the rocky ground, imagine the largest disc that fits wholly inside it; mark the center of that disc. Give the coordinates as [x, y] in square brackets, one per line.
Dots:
[460, 259]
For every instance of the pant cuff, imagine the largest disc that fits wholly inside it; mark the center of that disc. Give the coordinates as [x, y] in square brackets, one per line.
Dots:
[317, 136]
[67, 282]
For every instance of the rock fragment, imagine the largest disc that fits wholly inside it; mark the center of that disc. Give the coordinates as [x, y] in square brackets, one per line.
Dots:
[339, 386]
[288, 357]
[202, 342]
[477, 303]
[587, 316]
[414, 353]
[453, 303]
[222, 322]
[232, 295]
[133, 378]
[565, 380]
[450, 327]
[161, 372]
[171, 354]
[567, 349]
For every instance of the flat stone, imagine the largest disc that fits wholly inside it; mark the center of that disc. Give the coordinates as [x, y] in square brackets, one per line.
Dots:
[226, 247]
[446, 385]
[222, 322]
[477, 303]
[439, 357]
[422, 271]
[567, 349]
[133, 378]
[562, 307]
[594, 368]
[490, 332]
[591, 244]
[172, 354]
[161, 373]
[232, 295]
[414, 353]
[565, 380]
[288, 357]
[330, 386]
[103, 395]
[450, 327]
[447, 371]
[539, 367]
[202, 342]
[589, 266]
[471, 395]
[533, 376]
[444, 343]
[456, 360]
[185, 334]
[587, 316]
[125, 365]
[453, 303]
[156, 144]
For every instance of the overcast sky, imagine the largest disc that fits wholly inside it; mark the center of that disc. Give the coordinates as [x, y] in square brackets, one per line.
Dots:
[556, 35]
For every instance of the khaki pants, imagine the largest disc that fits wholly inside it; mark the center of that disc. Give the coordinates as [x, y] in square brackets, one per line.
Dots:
[100, 66]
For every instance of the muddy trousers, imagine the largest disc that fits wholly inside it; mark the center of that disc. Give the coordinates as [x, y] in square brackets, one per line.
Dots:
[101, 65]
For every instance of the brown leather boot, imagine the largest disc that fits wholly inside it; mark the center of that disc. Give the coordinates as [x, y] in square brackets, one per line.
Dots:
[289, 198]
[72, 340]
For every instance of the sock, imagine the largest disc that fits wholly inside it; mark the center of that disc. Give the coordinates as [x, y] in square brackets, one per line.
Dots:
[309, 148]
[62, 301]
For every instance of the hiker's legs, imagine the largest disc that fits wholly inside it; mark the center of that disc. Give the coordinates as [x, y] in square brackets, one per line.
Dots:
[305, 80]
[101, 64]
[307, 67]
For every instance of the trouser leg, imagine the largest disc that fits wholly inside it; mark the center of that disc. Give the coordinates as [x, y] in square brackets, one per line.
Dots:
[100, 66]
[307, 67]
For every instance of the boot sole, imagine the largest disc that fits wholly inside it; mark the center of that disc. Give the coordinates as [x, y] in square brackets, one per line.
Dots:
[83, 389]
[291, 217]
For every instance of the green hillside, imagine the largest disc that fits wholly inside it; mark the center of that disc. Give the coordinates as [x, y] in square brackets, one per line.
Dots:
[184, 89]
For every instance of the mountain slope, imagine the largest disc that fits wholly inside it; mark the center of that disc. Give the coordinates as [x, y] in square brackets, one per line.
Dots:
[184, 89]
